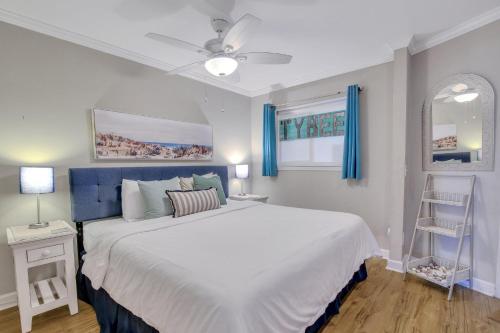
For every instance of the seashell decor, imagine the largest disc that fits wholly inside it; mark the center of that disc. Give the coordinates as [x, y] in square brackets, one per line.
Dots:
[433, 271]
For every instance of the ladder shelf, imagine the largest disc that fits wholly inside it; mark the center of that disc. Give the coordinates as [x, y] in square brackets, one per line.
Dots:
[442, 271]
[441, 226]
[445, 198]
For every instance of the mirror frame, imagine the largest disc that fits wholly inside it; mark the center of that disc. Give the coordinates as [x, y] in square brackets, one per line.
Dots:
[487, 96]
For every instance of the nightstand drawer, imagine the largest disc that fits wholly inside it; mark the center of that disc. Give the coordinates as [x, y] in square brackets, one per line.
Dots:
[45, 252]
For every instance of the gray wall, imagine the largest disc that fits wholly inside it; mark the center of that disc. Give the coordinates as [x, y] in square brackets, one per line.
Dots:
[476, 52]
[397, 166]
[47, 89]
[325, 189]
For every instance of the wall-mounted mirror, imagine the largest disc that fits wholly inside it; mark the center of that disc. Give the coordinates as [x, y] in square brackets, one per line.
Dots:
[458, 125]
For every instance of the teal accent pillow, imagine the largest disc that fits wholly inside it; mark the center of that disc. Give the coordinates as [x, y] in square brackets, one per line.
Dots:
[156, 202]
[204, 183]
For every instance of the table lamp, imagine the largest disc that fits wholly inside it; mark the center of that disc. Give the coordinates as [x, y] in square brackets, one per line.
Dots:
[36, 180]
[242, 173]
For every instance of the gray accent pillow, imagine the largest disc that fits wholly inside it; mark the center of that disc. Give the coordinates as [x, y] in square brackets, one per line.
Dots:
[156, 203]
[187, 184]
[204, 183]
[191, 202]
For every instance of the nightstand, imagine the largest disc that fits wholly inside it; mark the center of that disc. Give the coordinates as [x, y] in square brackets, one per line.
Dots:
[249, 197]
[37, 247]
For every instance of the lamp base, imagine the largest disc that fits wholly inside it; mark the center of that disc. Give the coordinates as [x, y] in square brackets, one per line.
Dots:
[39, 225]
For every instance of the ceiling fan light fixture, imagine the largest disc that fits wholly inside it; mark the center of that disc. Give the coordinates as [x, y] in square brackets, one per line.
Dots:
[221, 66]
[466, 97]
[460, 87]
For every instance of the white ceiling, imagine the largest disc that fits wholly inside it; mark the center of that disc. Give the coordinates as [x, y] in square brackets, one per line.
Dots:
[325, 37]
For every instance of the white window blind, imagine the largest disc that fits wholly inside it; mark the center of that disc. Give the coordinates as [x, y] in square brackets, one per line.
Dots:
[311, 135]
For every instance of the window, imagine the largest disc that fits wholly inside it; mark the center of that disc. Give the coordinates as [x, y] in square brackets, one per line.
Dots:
[311, 136]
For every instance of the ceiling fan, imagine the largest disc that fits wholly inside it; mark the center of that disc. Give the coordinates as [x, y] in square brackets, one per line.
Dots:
[222, 57]
[460, 93]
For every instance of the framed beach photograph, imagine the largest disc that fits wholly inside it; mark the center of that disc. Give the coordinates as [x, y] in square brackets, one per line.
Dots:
[122, 136]
[444, 137]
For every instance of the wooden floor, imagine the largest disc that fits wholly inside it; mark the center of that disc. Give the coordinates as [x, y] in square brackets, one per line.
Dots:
[382, 303]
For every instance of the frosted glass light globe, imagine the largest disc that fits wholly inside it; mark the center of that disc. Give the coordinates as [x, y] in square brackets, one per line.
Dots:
[466, 97]
[221, 66]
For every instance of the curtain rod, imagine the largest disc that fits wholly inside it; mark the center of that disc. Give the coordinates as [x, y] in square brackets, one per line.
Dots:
[303, 101]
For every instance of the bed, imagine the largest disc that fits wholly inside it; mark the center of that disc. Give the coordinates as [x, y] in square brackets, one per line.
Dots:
[247, 267]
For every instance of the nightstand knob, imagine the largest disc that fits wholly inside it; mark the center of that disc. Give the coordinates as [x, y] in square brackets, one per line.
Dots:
[45, 253]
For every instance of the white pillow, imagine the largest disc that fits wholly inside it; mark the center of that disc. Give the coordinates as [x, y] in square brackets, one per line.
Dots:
[187, 184]
[132, 202]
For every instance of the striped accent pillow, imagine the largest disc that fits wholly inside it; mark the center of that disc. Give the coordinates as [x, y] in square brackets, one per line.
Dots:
[190, 202]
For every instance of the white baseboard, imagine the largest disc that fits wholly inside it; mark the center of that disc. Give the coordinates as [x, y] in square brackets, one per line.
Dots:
[480, 286]
[8, 300]
[384, 253]
[394, 265]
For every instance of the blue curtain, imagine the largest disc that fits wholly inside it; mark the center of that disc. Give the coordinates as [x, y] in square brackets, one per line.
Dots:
[269, 164]
[351, 167]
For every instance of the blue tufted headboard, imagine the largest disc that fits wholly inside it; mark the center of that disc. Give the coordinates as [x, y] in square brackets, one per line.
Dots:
[96, 192]
[460, 156]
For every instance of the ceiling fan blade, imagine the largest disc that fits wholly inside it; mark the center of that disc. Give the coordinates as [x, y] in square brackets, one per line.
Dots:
[240, 32]
[177, 43]
[264, 58]
[185, 68]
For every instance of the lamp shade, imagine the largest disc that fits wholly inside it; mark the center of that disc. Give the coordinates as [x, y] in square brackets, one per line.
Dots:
[242, 171]
[36, 180]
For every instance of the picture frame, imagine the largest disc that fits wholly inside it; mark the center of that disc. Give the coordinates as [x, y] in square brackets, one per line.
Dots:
[124, 136]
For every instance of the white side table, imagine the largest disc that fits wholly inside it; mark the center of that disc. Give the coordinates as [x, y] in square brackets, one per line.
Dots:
[37, 247]
[249, 197]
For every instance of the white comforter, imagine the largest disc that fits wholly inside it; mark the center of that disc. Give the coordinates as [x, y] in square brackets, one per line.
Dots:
[245, 268]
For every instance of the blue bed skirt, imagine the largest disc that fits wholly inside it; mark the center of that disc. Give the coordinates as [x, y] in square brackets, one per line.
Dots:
[114, 318]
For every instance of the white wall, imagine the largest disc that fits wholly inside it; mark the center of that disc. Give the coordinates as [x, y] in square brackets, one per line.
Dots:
[325, 189]
[476, 52]
[47, 89]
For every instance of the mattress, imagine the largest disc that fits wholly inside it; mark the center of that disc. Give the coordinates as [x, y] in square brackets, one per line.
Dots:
[249, 267]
